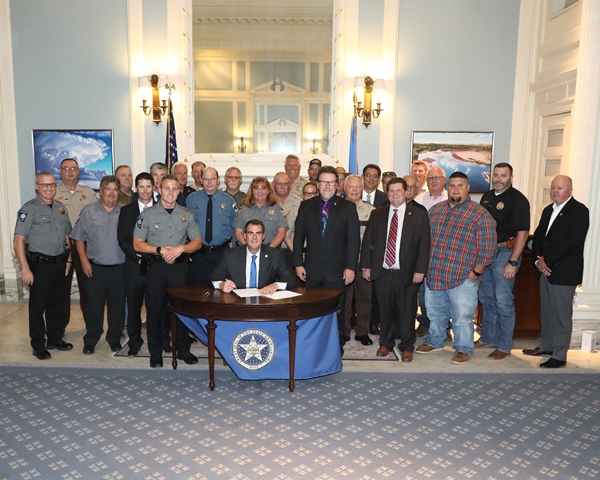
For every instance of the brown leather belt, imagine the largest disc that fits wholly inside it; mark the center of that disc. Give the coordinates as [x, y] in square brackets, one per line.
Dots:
[392, 270]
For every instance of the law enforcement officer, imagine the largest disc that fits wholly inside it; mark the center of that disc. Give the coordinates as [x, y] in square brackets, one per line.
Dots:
[260, 203]
[95, 237]
[40, 241]
[161, 234]
[214, 210]
[74, 196]
[510, 209]
[292, 168]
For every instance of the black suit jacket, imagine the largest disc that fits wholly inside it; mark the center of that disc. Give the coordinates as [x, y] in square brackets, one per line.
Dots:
[327, 256]
[380, 198]
[562, 247]
[127, 220]
[414, 243]
[271, 267]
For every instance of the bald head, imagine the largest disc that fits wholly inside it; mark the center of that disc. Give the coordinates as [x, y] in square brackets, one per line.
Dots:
[561, 189]
[436, 180]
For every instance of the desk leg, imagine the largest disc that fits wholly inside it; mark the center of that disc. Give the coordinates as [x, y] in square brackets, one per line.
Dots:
[292, 327]
[211, 352]
[173, 319]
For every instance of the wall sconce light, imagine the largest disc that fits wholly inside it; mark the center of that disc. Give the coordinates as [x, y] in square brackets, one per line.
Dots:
[160, 96]
[363, 96]
[313, 146]
[242, 145]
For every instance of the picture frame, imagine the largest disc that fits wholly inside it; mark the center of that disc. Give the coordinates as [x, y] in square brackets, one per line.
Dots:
[467, 152]
[92, 149]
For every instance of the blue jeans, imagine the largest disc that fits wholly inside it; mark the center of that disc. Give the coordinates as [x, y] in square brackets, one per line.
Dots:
[495, 294]
[458, 303]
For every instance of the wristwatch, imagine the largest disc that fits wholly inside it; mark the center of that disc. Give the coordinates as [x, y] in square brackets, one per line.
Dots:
[512, 263]
[158, 250]
[477, 274]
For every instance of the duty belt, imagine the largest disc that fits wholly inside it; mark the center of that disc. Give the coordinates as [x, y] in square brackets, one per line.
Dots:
[35, 257]
[159, 258]
[207, 249]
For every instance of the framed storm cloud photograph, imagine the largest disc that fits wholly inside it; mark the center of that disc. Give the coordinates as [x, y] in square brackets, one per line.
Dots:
[91, 149]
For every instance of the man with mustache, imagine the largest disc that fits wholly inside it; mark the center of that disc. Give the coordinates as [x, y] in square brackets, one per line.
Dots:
[95, 236]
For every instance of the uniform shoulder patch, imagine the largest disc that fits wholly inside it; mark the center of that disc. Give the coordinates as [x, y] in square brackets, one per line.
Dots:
[139, 222]
[23, 215]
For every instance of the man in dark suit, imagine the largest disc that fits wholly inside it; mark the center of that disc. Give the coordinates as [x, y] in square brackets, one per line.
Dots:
[395, 256]
[253, 265]
[371, 175]
[134, 280]
[558, 244]
[329, 225]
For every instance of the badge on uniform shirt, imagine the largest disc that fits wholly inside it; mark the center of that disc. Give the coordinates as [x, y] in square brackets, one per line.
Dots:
[271, 212]
[23, 215]
[94, 219]
[183, 219]
[62, 211]
[500, 206]
[223, 206]
[140, 220]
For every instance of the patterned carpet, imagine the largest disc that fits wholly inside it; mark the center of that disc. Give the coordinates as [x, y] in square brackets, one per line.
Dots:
[94, 423]
[353, 350]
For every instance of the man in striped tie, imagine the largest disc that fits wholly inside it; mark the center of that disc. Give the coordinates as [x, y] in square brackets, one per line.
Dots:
[395, 255]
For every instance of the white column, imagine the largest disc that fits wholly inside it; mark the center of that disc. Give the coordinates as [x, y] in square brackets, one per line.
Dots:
[10, 193]
[585, 164]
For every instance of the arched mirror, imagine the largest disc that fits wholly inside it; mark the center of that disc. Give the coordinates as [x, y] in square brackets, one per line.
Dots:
[262, 76]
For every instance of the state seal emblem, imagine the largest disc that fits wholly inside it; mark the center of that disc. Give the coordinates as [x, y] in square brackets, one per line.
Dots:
[253, 349]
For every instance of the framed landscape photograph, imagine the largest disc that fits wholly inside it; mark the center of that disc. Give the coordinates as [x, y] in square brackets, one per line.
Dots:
[467, 152]
[92, 149]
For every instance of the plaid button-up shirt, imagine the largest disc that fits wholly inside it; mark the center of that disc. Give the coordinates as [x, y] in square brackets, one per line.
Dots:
[461, 237]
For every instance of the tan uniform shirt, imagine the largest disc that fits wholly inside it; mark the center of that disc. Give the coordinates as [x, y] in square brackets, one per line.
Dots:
[297, 186]
[74, 202]
[364, 210]
[289, 208]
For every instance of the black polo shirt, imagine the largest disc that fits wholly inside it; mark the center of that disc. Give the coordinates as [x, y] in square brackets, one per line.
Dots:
[510, 209]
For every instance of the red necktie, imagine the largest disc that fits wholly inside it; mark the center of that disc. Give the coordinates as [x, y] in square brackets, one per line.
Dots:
[390, 248]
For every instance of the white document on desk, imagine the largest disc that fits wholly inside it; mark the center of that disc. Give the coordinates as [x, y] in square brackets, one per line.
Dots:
[253, 292]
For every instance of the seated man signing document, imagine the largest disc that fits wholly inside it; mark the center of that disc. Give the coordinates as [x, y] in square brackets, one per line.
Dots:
[252, 265]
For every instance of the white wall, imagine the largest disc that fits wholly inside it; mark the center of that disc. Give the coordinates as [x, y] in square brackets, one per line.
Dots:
[456, 70]
[71, 71]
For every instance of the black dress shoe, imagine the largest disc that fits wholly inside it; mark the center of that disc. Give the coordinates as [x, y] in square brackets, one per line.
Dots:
[88, 350]
[374, 329]
[553, 363]
[133, 351]
[364, 339]
[42, 354]
[156, 363]
[115, 347]
[534, 352]
[188, 358]
[60, 345]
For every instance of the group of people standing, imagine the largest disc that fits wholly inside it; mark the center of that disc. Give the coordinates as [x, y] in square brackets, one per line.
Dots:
[419, 242]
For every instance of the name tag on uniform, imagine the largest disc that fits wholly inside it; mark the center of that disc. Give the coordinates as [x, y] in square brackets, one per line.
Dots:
[156, 224]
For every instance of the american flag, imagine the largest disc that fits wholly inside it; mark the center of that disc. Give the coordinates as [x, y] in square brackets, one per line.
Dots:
[171, 157]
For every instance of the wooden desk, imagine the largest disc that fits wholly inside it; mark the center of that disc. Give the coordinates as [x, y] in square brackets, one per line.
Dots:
[211, 304]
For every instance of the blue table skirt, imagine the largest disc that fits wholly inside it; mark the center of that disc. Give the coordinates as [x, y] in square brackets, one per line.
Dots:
[260, 350]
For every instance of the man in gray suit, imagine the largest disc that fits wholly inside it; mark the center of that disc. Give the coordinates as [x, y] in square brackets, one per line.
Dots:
[253, 265]
[395, 255]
